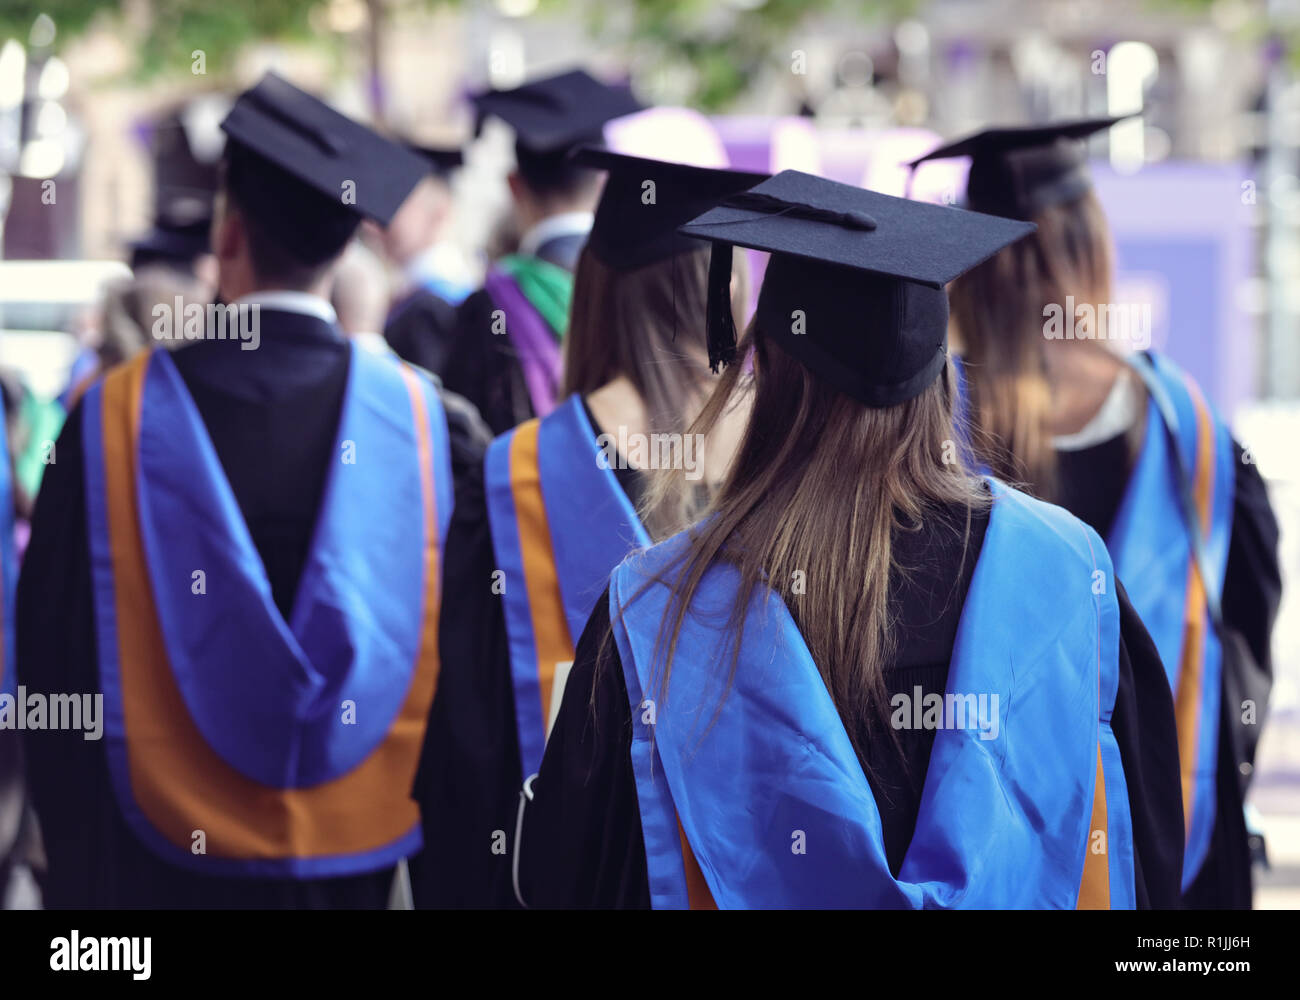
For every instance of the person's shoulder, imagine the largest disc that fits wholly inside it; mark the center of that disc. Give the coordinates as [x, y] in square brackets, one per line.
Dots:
[1047, 532]
[469, 431]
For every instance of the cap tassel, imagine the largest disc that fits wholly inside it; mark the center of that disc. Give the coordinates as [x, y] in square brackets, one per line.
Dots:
[721, 322]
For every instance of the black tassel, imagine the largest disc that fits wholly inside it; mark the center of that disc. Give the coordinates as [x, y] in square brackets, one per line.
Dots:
[721, 323]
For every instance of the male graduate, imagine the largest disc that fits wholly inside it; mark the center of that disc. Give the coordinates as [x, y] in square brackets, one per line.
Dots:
[239, 551]
[505, 358]
[435, 275]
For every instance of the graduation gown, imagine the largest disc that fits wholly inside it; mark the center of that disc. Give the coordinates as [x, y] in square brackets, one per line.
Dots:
[470, 768]
[1092, 484]
[485, 368]
[272, 416]
[420, 329]
[582, 843]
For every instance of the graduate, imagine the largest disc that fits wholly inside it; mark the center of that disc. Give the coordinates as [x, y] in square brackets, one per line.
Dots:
[435, 276]
[563, 501]
[868, 678]
[206, 564]
[505, 355]
[1130, 445]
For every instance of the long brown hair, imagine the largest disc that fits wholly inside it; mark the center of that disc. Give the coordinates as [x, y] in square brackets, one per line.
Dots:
[998, 309]
[646, 325]
[813, 498]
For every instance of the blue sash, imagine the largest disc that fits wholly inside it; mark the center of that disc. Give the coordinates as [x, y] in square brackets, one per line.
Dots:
[560, 523]
[1035, 817]
[273, 738]
[1153, 555]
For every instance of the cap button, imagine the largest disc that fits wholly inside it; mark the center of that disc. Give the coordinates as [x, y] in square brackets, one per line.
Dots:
[859, 220]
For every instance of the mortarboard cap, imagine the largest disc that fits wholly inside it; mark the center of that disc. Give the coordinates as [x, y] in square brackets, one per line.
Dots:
[645, 201]
[309, 173]
[854, 288]
[1018, 171]
[556, 113]
[172, 241]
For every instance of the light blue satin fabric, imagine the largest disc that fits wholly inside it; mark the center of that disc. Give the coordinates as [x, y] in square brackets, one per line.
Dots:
[1003, 822]
[1152, 553]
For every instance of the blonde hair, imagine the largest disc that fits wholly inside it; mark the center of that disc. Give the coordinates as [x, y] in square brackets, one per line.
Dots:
[998, 311]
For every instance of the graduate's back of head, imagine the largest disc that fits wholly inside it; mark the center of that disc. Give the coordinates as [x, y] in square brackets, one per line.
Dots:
[818, 487]
[293, 234]
[554, 180]
[647, 325]
[999, 308]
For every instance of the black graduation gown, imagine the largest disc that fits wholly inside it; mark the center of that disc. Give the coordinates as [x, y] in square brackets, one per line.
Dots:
[272, 415]
[484, 367]
[469, 776]
[582, 844]
[1092, 484]
[420, 328]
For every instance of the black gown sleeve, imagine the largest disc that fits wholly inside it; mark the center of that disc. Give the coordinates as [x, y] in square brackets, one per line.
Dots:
[56, 652]
[1144, 728]
[581, 845]
[468, 781]
[481, 365]
[1252, 591]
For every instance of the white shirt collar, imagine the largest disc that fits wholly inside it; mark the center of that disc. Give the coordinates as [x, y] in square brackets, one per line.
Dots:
[303, 303]
[553, 227]
[1117, 414]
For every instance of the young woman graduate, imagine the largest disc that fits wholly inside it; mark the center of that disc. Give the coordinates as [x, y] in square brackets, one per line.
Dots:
[868, 678]
[1131, 446]
[561, 504]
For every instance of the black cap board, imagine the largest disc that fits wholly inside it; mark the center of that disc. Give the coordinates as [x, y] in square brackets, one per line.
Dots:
[1017, 171]
[645, 201]
[854, 288]
[309, 173]
[440, 161]
[172, 241]
[556, 113]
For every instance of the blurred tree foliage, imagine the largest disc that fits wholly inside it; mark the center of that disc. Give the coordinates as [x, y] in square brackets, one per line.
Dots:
[718, 44]
[718, 47]
[165, 33]
[722, 45]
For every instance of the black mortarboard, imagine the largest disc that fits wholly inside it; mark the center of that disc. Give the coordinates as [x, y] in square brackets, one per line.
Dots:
[440, 161]
[309, 173]
[172, 240]
[854, 288]
[1020, 170]
[645, 201]
[554, 114]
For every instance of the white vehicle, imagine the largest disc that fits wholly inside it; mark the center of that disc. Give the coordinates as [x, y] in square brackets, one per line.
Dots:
[43, 305]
